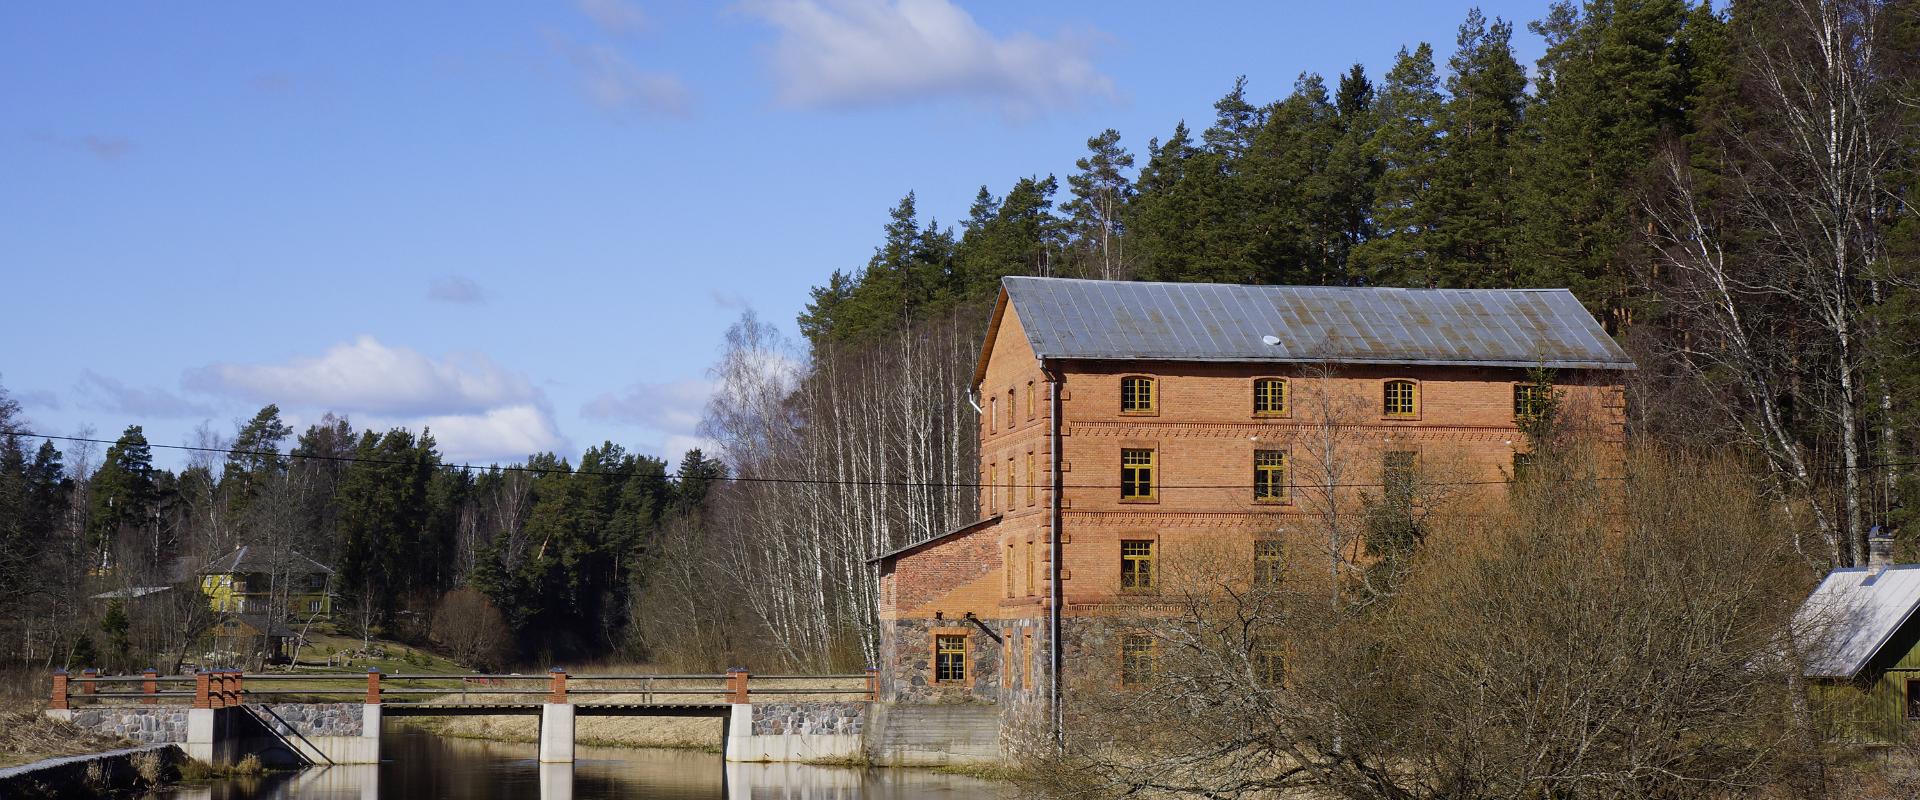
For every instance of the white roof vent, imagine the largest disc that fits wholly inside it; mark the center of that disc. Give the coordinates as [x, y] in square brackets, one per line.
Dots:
[1270, 339]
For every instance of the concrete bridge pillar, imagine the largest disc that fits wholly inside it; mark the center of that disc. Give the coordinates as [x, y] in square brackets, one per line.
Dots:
[370, 712]
[200, 719]
[556, 722]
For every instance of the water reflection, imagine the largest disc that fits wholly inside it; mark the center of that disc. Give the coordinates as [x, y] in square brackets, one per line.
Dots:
[420, 765]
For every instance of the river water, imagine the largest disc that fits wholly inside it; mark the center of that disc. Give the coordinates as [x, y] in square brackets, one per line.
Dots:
[416, 765]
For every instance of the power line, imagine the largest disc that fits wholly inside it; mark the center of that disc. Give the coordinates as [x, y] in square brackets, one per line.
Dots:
[883, 483]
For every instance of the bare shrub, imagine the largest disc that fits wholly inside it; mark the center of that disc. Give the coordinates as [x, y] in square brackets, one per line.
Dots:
[471, 629]
[1597, 638]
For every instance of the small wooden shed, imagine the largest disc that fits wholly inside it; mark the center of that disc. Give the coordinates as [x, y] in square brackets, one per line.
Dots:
[1863, 638]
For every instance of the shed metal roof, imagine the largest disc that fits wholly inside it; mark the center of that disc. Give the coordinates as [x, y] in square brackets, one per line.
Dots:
[1852, 614]
[1091, 319]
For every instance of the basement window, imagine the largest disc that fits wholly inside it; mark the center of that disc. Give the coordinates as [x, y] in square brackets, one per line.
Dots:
[949, 658]
[1136, 659]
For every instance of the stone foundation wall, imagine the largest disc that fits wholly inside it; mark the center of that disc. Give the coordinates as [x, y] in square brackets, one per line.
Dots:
[906, 667]
[143, 724]
[829, 719]
[310, 719]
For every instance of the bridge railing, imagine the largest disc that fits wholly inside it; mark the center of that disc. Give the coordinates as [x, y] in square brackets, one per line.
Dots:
[220, 688]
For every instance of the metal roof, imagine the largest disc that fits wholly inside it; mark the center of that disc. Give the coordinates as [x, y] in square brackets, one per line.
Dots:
[1090, 319]
[254, 558]
[1852, 614]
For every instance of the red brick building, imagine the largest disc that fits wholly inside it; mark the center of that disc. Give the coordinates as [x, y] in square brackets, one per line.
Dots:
[1123, 422]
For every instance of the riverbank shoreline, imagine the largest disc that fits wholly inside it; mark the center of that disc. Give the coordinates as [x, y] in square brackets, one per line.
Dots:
[122, 772]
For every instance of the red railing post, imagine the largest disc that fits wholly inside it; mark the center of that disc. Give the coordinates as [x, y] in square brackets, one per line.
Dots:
[87, 683]
[737, 685]
[150, 686]
[202, 689]
[873, 684]
[373, 686]
[217, 687]
[558, 690]
[59, 700]
[239, 688]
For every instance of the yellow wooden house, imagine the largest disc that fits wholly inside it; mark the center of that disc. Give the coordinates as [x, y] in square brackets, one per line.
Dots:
[250, 579]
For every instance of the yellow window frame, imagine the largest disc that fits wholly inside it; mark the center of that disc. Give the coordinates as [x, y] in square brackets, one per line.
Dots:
[1529, 400]
[1137, 565]
[1139, 394]
[1138, 654]
[1269, 562]
[1270, 397]
[1138, 468]
[1400, 398]
[950, 658]
[1270, 476]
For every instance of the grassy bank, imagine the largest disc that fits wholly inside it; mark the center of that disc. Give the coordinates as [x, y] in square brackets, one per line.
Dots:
[29, 735]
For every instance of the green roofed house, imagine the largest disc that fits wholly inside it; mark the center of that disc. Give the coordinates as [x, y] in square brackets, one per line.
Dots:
[1863, 665]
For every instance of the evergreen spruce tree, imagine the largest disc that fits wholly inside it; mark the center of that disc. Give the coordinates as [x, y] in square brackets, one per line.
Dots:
[1405, 240]
[1611, 84]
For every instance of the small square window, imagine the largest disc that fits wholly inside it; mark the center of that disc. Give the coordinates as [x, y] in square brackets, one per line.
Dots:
[1138, 395]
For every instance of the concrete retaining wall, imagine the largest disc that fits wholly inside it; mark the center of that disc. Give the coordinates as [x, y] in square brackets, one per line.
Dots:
[796, 732]
[932, 735]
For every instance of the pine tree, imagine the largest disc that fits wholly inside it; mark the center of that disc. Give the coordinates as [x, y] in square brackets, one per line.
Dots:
[1164, 219]
[1101, 193]
[1407, 144]
[1474, 186]
[1352, 172]
[1611, 84]
[1023, 237]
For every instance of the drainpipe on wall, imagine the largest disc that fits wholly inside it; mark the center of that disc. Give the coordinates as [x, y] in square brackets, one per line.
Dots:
[1054, 382]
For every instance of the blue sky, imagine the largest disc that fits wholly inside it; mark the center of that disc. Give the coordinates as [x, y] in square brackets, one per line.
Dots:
[528, 224]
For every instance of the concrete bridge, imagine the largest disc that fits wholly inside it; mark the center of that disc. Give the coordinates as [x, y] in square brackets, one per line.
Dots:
[220, 716]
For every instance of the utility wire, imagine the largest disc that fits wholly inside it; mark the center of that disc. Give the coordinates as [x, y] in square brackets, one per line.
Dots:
[883, 483]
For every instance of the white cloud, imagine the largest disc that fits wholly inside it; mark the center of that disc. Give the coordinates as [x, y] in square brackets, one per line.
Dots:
[616, 17]
[674, 408]
[458, 289]
[368, 376]
[508, 433]
[477, 410]
[617, 85]
[99, 392]
[863, 53]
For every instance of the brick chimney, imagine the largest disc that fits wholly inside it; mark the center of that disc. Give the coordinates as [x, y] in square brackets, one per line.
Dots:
[1879, 551]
